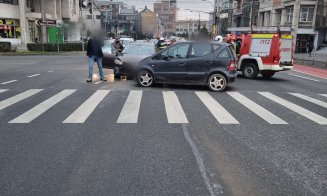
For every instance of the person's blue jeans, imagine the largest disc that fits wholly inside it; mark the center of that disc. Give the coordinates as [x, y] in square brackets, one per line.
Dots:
[99, 62]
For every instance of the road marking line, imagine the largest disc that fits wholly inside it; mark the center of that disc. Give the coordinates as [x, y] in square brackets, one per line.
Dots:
[3, 90]
[174, 110]
[11, 81]
[98, 82]
[217, 110]
[81, 114]
[33, 75]
[304, 77]
[312, 100]
[325, 95]
[35, 112]
[131, 108]
[257, 109]
[302, 72]
[17, 98]
[50, 71]
[295, 108]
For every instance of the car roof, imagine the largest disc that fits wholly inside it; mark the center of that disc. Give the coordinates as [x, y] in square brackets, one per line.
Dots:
[141, 43]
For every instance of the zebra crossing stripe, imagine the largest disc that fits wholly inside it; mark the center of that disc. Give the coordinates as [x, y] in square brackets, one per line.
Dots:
[312, 100]
[17, 98]
[131, 108]
[3, 90]
[85, 110]
[35, 112]
[217, 110]
[325, 95]
[174, 110]
[8, 82]
[295, 108]
[257, 109]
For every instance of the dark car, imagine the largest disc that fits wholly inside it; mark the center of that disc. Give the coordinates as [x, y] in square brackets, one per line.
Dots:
[204, 63]
[130, 57]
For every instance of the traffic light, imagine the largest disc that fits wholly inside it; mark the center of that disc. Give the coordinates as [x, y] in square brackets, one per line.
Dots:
[90, 10]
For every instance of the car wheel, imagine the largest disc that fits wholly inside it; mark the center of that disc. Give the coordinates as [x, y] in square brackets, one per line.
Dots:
[250, 71]
[145, 79]
[217, 82]
[268, 74]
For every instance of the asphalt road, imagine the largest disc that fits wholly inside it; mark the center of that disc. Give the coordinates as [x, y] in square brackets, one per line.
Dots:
[62, 136]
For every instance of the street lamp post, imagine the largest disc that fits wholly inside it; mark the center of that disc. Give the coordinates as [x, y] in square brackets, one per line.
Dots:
[214, 15]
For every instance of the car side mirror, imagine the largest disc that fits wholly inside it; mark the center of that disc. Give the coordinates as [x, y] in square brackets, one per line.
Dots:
[165, 58]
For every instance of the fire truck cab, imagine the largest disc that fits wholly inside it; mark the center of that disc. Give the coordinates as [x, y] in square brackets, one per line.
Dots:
[264, 54]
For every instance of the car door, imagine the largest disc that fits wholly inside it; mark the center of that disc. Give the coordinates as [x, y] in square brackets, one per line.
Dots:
[171, 66]
[201, 57]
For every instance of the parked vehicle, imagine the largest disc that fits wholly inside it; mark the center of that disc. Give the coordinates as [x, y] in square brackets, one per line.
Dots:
[265, 54]
[201, 63]
[127, 61]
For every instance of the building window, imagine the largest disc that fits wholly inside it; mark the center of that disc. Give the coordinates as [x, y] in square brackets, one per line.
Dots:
[9, 28]
[14, 2]
[289, 14]
[306, 14]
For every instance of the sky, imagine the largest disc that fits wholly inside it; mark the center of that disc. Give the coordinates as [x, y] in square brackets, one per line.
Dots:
[181, 5]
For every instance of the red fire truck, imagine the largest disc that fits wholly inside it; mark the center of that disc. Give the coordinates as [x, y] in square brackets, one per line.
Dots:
[264, 53]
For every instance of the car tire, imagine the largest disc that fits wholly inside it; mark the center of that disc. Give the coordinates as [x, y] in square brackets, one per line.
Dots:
[217, 82]
[267, 74]
[145, 78]
[250, 71]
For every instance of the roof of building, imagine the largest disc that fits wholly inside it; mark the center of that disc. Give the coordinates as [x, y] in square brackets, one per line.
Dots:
[146, 10]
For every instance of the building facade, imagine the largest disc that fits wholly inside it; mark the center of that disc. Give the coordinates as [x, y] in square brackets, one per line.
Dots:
[304, 19]
[190, 28]
[17, 21]
[167, 11]
[149, 22]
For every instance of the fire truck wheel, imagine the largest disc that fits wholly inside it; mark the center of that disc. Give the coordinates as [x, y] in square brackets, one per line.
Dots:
[268, 74]
[250, 71]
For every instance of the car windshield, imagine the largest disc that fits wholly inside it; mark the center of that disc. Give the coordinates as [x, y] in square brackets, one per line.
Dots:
[138, 49]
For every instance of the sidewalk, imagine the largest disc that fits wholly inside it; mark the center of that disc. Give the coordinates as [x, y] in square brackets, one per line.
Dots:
[311, 70]
[316, 60]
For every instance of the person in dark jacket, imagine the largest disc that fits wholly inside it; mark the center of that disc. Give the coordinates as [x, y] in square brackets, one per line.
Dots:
[94, 52]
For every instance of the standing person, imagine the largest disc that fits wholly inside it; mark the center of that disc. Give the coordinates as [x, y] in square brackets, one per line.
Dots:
[94, 52]
[117, 45]
[309, 47]
[160, 43]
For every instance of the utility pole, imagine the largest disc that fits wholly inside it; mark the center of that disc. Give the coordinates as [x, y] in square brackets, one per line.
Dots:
[43, 28]
[295, 21]
[92, 1]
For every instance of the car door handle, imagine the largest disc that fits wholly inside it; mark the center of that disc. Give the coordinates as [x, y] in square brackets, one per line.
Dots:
[210, 62]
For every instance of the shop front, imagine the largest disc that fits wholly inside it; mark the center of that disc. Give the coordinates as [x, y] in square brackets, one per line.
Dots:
[10, 31]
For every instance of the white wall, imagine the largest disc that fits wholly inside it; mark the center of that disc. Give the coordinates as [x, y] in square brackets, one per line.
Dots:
[9, 11]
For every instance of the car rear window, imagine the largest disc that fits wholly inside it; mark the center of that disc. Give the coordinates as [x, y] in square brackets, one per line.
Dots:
[224, 54]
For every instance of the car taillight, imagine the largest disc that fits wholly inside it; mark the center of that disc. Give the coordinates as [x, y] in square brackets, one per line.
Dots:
[231, 66]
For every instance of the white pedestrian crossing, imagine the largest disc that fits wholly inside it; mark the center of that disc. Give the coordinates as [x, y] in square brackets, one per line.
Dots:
[217, 110]
[312, 100]
[174, 110]
[35, 112]
[257, 109]
[8, 82]
[81, 114]
[130, 111]
[32, 76]
[3, 90]
[17, 98]
[295, 108]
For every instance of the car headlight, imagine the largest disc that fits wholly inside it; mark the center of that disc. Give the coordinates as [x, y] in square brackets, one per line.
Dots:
[118, 62]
